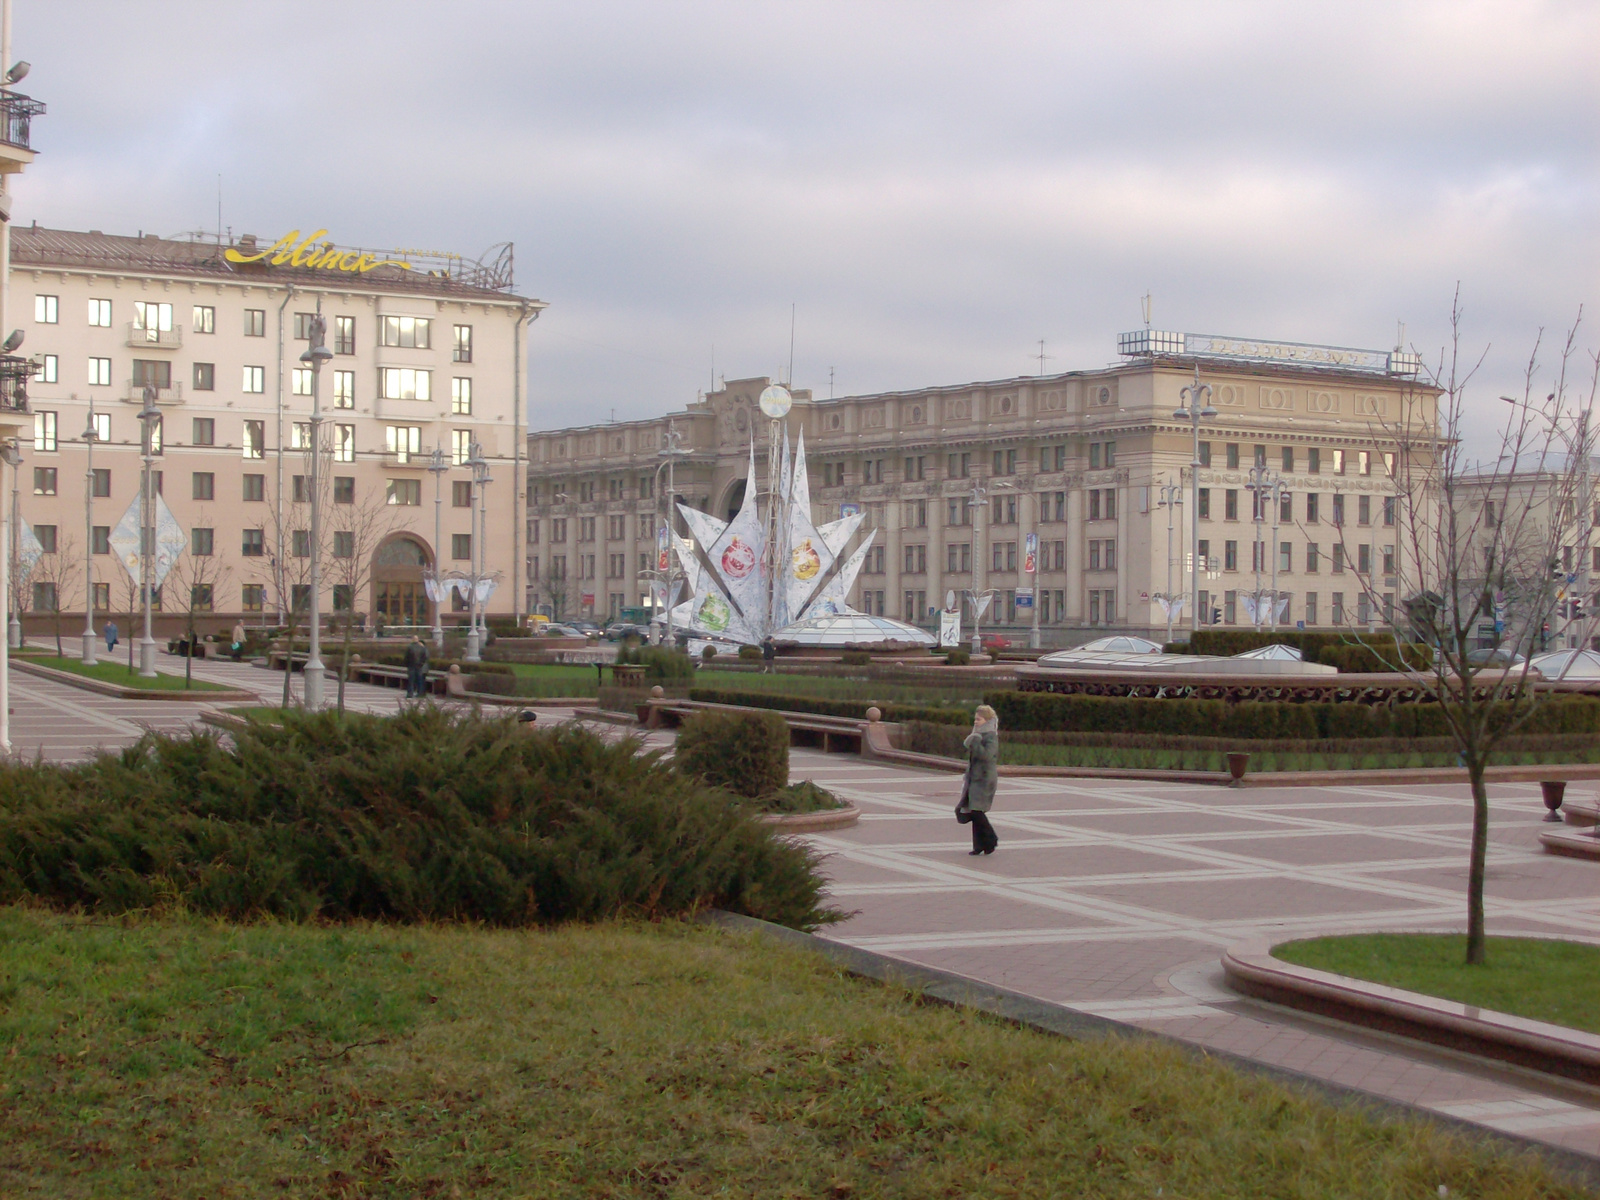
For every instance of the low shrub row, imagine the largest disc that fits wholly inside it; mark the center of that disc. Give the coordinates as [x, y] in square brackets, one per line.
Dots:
[744, 752]
[1021, 711]
[661, 663]
[427, 815]
[956, 714]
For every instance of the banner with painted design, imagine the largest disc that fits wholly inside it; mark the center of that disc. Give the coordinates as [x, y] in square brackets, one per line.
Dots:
[1030, 554]
[950, 627]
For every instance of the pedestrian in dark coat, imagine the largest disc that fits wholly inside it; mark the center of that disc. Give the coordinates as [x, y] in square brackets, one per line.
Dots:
[416, 668]
[769, 652]
[111, 636]
[983, 768]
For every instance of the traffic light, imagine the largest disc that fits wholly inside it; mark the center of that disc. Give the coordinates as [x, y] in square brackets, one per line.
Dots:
[1555, 569]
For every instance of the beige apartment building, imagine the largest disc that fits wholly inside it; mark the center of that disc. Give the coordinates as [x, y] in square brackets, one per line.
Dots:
[956, 478]
[427, 357]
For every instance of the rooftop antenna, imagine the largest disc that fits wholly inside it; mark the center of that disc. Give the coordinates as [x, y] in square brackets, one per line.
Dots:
[1400, 335]
[1042, 356]
[830, 383]
[1144, 305]
[789, 381]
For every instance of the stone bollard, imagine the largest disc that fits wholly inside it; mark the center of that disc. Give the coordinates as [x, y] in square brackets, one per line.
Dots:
[657, 692]
[874, 715]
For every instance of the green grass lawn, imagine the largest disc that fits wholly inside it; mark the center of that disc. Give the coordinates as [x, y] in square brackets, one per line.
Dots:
[116, 671]
[1529, 977]
[180, 1058]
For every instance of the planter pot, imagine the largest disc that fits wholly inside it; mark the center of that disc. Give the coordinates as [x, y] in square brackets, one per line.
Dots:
[1238, 763]
[1554, 790]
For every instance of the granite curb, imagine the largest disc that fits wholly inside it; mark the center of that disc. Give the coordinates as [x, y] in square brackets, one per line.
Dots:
[1570, 843]
[203, 695]
[813, 822]
[1044, 1016]
[1553, 1049]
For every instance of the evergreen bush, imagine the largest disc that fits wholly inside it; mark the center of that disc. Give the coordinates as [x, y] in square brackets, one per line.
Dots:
[855, 658]
[956, 714]
[745, 752]
[749, 652]
[707, 653]
[959, 656]
[661, 664]
[428, 815]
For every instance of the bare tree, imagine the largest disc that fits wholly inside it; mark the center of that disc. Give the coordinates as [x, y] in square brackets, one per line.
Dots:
[197, 578]
[54, 580]
[557, 587]
[291, 574]
[359, 528]
[1486, 547]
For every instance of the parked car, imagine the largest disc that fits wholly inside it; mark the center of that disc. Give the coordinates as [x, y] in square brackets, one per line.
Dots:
[622, 629]
[586, 627]
[995, 641]
[1495, 657]
[551, 629]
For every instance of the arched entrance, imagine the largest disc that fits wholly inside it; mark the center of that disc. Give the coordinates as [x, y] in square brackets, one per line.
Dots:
[398, 595]
[735, 500]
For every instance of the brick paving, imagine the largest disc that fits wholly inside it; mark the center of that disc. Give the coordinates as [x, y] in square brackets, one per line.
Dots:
[1118, 898]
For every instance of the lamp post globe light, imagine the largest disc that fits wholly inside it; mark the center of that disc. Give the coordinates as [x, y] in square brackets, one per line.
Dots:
[1195, 407]
[438, 463]
[148, 417]
[89, 436]
[315, 355]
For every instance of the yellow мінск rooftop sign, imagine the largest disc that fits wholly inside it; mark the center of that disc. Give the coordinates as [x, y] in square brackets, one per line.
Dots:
[291, 250]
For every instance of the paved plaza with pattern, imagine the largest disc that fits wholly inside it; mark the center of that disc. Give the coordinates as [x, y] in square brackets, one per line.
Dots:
[1118, 898]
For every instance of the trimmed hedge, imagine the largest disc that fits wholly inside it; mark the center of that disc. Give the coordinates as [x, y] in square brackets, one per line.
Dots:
[423, 816]
[833, 708]
[1044, 711]
[661, 663]
[1364, 653]
[745, 752]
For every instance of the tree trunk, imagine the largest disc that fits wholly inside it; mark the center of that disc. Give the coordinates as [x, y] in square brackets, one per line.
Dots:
[1480, 846]
[188, 657]
[344, 661]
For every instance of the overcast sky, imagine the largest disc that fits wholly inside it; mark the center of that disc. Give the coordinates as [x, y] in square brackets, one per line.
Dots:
[934, 187]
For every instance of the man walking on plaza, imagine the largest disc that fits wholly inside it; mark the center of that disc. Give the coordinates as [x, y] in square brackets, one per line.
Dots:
[238, 640]
[416, 668]
[769, 652]
[110, 632]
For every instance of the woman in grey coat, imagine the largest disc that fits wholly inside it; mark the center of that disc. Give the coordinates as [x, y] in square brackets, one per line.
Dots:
[977, 792]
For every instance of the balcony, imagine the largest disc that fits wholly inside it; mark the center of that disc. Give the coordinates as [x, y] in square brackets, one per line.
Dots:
[16, 116]
[15, 372]
[133, 393]
[140, 338]
[405, 461]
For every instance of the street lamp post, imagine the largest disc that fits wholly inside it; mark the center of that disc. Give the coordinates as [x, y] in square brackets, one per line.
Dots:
[315, 354]
[979, 573]
[1195, 406]
[480, 480]
[438, 464]
[147, 528]
[89, 436]
[14, 621]
[1171, 498]
[480, 543]
[1280, 493]
[1259, 481]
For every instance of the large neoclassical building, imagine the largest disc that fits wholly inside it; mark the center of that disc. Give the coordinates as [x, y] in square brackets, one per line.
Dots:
[427, 354]
[956, 478]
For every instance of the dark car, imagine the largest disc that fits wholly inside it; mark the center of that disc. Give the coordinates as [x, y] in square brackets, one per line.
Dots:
[1495, 657]
[624, 629]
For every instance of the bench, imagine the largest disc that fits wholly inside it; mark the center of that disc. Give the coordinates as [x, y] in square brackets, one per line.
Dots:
[386, 676]
[830, 734]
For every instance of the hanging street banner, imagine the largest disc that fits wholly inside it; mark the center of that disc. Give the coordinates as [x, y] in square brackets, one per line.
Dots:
[170, 542]
[949, 627]
[661, 547]
[1030, 554]
[29, 549]
[1171, 607]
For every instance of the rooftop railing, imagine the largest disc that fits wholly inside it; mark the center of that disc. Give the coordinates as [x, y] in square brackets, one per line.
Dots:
[16, 115]
[15, 371]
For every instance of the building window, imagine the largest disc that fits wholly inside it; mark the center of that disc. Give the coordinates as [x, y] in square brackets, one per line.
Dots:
[916, 560]
[1230, 504]
[100, 485]
[254, 380]
[49, 369]
[344, 443]
[1388, 560]
[406, 492]
[959, 466]
[958, 556]
[202, 541]
[1094, 504]
[343, 597]
[205, 485]
[461, 343]
[1233, 456]
[1005, 462]
[1314, 461]
[1230, 556]
[202, 320]
[255, 439]
[1288, 460]
[1261, 456]
[44, 481]
[99, 372]
[344, 335]
[405, 383]
[461, 546]
[1205, 454]
[302, 326]
[44, 594]
[1313, 556]
[461, 493]
[956, 511]
[1364, 461]
[204, 431]
[301, 543]
[255, 322]
[205, 376]
[252, 597]
[252, 544]
[915, 469]
[1094, 456]
[406, 332]
[586, 529]
[344, 489]
[344, 543]
[156, 373]
[47, 538]
[100, 313]
[300, 435]
[1338, 558]
[44, 431]
[1338, 462]
[100, 539]
[558, 530]
[1388, 510]
[460, 446]
[254, 488]
[403, 441]
[1364, 510]
[300, 381]
[1311, 508]
[300, 489]
[1204, 505]
[152, 319]
[1285, 556]
[1338, 510]
[46, 309]
[1364, 559]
